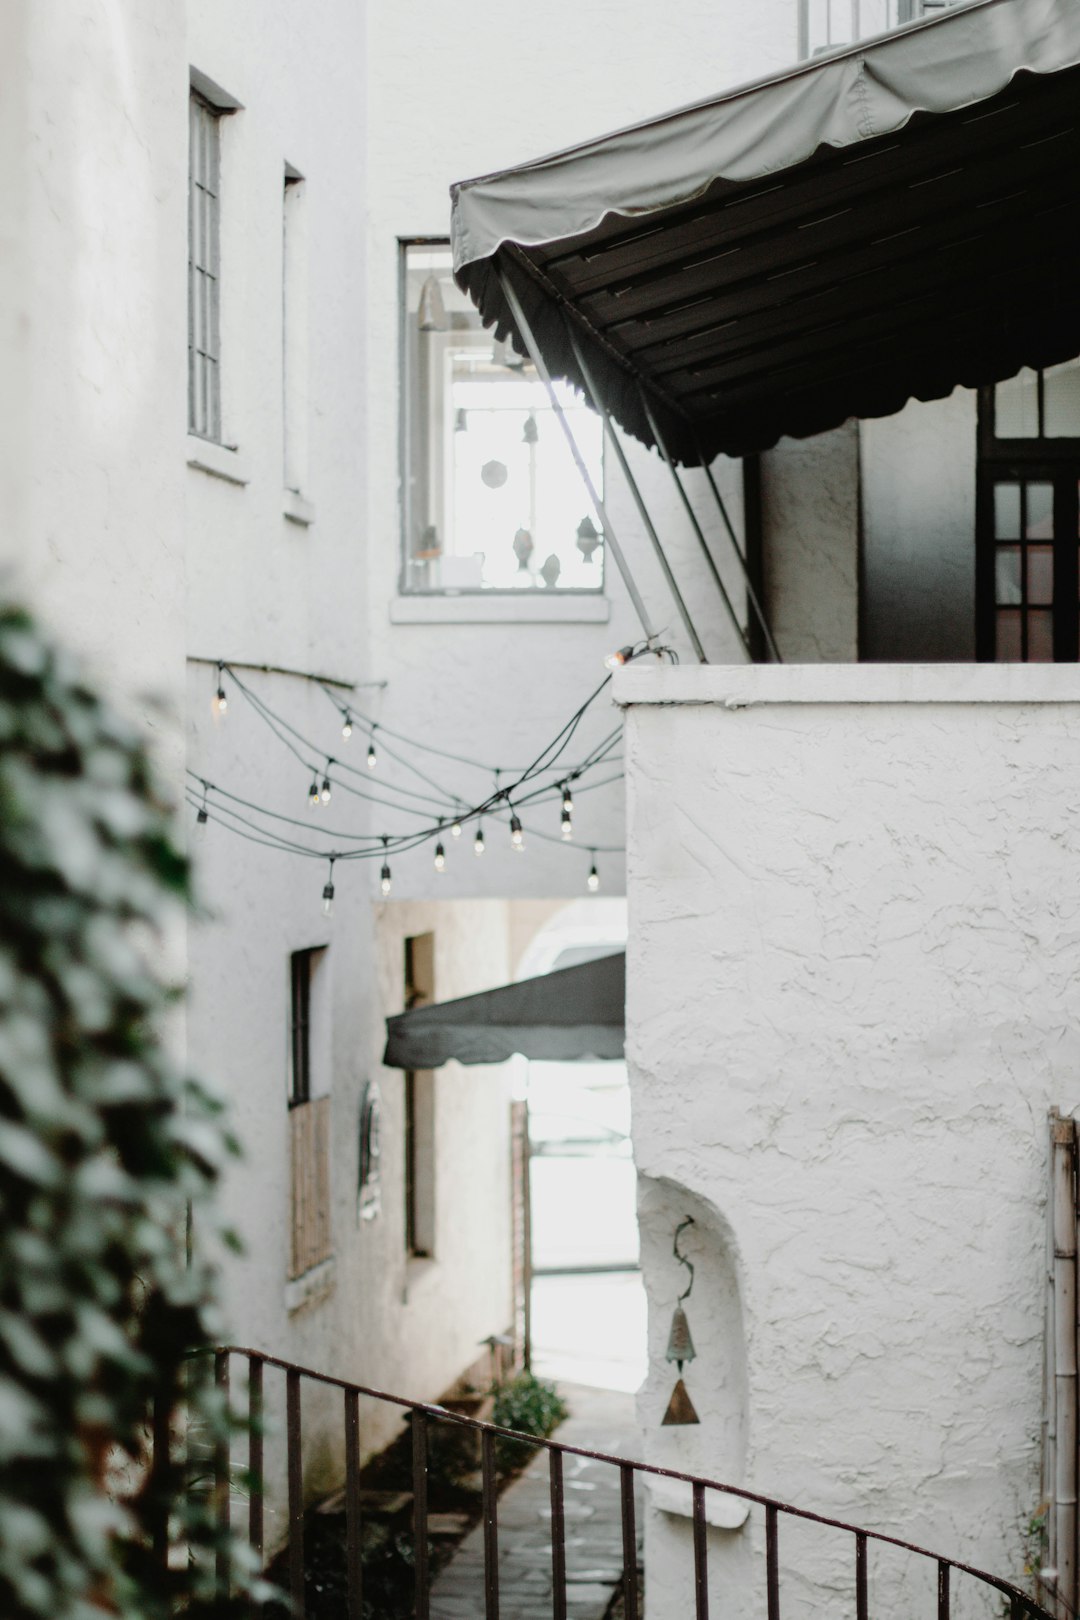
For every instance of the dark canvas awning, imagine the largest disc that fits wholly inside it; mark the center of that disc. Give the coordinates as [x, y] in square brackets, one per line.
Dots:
[575, 1013]
[871, 226]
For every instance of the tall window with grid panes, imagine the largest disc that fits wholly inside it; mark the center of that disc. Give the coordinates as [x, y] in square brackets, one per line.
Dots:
[828, 25]
[204, 258]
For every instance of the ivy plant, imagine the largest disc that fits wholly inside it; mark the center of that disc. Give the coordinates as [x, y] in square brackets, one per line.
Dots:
[108, 1160]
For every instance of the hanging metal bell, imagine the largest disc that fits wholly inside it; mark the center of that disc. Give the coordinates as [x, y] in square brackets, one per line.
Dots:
[680, 1408]
[680, 1346]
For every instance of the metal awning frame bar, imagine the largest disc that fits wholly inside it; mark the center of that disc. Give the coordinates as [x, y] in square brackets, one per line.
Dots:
[661, 445]
[759, 611]
[542, 372]
[639, 499]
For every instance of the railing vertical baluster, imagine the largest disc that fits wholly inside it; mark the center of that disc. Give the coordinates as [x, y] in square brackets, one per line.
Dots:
[420, 1524]
[293, 1436]
[491, 1529]
[255, 1456]
[352, 1504]
[943, 1590]
[772, 1562]
[861, 1604]
[629, 1541]
[221, 1478]
[701, 1567]
[558, 1538]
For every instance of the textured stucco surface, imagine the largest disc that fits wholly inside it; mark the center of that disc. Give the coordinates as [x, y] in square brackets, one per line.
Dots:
[851, 1001]
[810, 545]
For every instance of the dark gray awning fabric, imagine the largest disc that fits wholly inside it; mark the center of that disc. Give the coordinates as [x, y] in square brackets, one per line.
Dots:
[576, 1013]
[879, 224]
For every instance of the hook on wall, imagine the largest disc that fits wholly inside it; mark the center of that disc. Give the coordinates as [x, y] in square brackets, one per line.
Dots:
[688, 1220]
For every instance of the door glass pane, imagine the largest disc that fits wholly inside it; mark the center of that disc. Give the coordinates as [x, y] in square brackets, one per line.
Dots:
[1007, 650]
[1007, 576]
[1007, 511]
[1040, 629]
[1040, 575]
[1040, 512]
[1016, 406]
[1061, 400]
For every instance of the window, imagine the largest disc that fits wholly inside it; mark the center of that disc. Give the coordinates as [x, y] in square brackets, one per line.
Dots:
[204, 258]
[492, 499]
[826, 25]
[294, 335]
[309, 1115]
[420, 1111]
[1028, 518]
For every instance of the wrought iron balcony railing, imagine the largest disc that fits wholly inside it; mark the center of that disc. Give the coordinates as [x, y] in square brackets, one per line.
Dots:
[1015, 1603]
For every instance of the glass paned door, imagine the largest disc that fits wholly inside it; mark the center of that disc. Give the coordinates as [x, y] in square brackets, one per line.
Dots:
[1033, 567]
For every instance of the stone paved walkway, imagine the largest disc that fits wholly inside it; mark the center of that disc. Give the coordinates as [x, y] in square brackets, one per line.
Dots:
[600, 1420]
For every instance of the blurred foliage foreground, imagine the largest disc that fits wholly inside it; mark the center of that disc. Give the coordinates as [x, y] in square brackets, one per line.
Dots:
[104, 1149]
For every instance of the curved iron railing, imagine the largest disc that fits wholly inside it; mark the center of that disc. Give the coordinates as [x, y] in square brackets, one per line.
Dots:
[1020, 1605]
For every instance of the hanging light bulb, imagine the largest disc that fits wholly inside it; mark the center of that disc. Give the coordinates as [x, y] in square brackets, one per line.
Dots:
[346, 730]
[202, 820]
[328, 891]
[567, 825]
[313, 793]
[455, 828]
[567, 799]
[372, 757]
[221, 702]
[615, 659]
[478, 841]
[384, 875]
[517, 835]
[592, 882]
[325, 790]
[440, 857]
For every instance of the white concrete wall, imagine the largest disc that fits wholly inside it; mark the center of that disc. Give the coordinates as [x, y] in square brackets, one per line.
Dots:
[458, 93]
[851, 1002]
[810, 546]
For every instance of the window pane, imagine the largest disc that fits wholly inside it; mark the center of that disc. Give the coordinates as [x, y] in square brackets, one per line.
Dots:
[1016, 406]
[1040, 575]
[1040, 629]
[1007, 511]
[1007, 576]
[1008, 647]
[1040, 512]
[1061, 401]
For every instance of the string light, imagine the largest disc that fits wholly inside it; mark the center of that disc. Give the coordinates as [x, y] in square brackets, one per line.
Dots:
[346, 729]
[517, 836]
[384, 875]
[567, 799]
[221, 702]
[313, 793]
[567, 825]
[202, 816]
[478, 841]
[440, 857]
[372, 757]
[455, 828]
[592, 882]
[325, 791]
[615, 659]
[328, 890]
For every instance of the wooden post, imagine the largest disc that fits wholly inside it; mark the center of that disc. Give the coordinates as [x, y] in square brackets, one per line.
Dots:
[1063, 1135]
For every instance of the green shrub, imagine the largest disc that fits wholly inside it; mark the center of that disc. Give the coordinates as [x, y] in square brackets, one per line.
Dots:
[105, 1149]
[530, 1405]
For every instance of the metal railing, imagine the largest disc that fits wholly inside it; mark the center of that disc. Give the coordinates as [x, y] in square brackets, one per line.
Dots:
[424, 1415]
[826, 25]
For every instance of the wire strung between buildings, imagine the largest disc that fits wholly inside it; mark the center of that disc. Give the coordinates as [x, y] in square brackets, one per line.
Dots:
[213, 803]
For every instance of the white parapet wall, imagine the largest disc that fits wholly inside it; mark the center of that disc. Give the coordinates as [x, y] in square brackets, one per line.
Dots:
[852, 999]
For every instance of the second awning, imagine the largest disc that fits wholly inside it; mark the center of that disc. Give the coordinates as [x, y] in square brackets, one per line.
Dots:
[571, 1015]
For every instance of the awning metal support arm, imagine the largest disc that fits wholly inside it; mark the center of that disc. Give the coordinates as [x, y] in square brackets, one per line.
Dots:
[594, 495]
[692, 515]
[741, 555]
[639, 501]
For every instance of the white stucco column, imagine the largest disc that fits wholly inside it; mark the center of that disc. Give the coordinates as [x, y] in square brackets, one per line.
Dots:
[852, 997]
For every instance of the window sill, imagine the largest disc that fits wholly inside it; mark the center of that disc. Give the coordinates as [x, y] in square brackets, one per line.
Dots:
[312, 1287]
[217, 460]
[297, 509]
[511, 608]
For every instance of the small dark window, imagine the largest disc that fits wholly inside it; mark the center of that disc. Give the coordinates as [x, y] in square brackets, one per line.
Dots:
[301, 963]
